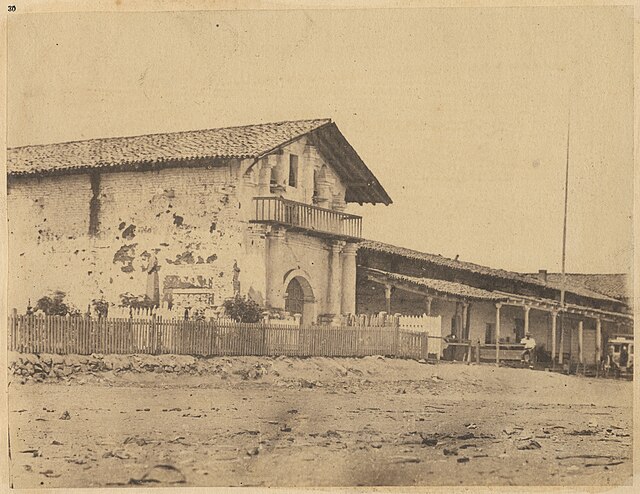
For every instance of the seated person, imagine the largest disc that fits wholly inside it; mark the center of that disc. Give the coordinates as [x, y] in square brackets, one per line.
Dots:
[624, 357]
[529, 346]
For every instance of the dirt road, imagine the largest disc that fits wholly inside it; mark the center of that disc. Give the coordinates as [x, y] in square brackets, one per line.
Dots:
[322, 422]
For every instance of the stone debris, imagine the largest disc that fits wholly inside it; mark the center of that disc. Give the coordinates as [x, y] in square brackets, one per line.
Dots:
[121, 455]
[161, 474]
[50, 474]
[406, 459]
[253, 451]
[33, 452]
[531, 444]
[429, 441]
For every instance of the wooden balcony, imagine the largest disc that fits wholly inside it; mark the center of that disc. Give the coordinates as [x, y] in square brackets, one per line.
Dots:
[304, 217]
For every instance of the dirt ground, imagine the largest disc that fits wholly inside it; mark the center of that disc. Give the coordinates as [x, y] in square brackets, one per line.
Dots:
[321, 422]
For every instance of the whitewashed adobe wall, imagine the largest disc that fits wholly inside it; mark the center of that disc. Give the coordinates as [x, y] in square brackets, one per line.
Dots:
[186, 217]
[192, 222]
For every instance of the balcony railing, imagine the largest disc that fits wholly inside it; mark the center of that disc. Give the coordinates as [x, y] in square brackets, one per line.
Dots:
[312, 219]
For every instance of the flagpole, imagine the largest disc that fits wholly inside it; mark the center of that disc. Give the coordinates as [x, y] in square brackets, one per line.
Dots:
[564, 244]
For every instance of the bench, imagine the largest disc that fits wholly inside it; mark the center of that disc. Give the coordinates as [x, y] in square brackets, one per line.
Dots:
[508, 351]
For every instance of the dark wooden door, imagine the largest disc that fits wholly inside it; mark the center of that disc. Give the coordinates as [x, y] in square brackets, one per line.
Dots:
[294, 303]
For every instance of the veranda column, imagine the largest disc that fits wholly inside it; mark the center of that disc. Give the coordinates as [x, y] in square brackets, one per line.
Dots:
[561, 349]
[463, 320]
[526, 319]
[387, 297]
[581, 343]
[428, 305]
[498, 305]
[334, 295]
[554, 326]
[274, 289]
[598, 340]
[349, 278]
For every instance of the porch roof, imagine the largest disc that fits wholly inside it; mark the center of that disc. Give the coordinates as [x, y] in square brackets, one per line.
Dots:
[459, 291]
[431, 285]
[455, 264]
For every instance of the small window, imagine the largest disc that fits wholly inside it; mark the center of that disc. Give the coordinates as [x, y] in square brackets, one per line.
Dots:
[293, 170]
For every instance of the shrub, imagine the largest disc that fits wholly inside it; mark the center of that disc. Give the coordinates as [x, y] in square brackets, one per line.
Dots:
[100, 307]
[54, 305]
[242, 309]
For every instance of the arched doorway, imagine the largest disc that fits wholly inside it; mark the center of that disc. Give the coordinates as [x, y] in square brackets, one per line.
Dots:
[299, 299]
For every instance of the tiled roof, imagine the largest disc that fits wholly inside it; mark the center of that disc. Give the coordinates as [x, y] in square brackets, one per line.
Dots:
[617, 285]
[478, 269]
[440, 286]
[472, 293]
[249, 141]
[445, 261]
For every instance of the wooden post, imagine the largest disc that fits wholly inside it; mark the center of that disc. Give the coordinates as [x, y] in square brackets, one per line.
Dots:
[581, 344]
[387, 296]
[598, 342]
[498, 305]
[153, 341]
[561, 347]
[463, 320]
[467, 321]
[526, 319]
[554, 322]
[477, 351]
[265, 350]
[396, 336]
[425, 346]
[159, 326]
[428, 305]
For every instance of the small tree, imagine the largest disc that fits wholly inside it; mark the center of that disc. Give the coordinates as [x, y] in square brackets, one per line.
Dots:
[242, 309]
[54, 305]
[100, 307]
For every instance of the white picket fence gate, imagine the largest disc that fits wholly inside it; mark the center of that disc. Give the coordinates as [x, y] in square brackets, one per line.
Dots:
[432, 325]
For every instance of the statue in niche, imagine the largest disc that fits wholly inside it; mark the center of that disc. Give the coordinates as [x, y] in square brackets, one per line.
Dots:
[236, 278]
[153, 284]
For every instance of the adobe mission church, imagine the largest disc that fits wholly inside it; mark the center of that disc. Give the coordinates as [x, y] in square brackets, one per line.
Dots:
[192, 218]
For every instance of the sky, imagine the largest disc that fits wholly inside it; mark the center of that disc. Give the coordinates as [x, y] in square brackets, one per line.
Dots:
[462, 113]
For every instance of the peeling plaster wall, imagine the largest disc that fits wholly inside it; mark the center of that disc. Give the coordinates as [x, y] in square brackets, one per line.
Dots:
[47, 217]
[187, 220]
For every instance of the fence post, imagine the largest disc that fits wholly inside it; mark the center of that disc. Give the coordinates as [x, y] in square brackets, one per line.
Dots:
[158, 325]
[477, 351]
[396, 336]
[133, 337]
[468, 352]
[264, 350]
[425, 346]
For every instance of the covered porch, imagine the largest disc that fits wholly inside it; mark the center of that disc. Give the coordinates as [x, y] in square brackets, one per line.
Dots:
[496, 321]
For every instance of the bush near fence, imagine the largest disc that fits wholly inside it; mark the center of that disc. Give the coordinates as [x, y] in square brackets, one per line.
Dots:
[157, 335]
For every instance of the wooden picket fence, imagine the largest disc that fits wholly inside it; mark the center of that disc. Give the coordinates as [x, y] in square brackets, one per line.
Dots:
[157, 335]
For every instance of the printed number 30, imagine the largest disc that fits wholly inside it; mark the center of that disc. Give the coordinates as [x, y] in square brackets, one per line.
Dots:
[12, 8]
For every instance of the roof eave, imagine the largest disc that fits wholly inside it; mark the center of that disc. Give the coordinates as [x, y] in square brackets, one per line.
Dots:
[362, 185]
